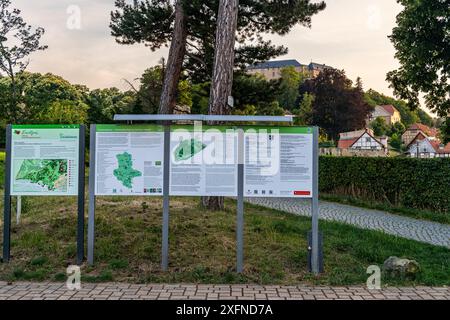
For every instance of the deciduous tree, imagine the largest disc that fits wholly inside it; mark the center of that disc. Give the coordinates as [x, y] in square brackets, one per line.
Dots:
[305, 110]
[289, 83]
[337, 106]
[422, 43]
[380, 127]
[17, 41]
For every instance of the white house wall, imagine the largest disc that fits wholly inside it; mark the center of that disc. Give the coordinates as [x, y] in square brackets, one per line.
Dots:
[366, 142]
[426, 150]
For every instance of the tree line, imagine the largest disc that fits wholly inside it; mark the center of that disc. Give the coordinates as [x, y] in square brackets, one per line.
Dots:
[330, 100]
[203, 57]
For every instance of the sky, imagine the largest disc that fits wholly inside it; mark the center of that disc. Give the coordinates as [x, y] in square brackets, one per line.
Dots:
[349, 34]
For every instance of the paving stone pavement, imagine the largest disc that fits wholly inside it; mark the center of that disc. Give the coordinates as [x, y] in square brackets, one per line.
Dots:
[423, 231]
[121, 291]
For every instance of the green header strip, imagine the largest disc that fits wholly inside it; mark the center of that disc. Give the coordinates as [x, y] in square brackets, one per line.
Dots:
[129, 128]
[190, 128]
[292, 130]
[224, 128]
[45, 126]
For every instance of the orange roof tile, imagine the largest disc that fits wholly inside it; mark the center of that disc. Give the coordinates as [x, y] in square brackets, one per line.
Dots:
[431, 132]
[436, 144]
[347, 143]
[389, 108]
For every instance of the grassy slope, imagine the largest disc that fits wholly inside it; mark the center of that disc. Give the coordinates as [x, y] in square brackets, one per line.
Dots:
[202, 245]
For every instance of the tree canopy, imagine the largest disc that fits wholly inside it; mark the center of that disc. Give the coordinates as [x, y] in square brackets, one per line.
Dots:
[46, 99]
[422, 43]
[289, 82]
[338, 106]
[151, 22]
[17, 41]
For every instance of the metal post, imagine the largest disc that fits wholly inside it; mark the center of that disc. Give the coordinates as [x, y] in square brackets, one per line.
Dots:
[166, 181]
[81, 184]
[18, 209]
[315, 204]
[417, 149]
[91, 218]
[240, 204]
[7, 203]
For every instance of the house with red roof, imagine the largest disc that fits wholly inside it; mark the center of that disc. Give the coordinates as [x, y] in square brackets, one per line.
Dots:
[418, 131]
[428, 148]
[361, 140]
[388, 112]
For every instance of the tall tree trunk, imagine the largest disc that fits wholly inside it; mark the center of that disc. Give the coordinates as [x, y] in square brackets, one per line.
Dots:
[174, 61]
[222, 80]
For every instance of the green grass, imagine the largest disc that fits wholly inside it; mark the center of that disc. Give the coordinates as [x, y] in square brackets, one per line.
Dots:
[202, 246]
[403, 211]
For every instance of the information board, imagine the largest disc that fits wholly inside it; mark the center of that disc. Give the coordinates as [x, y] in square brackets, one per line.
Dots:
[278, 162]
[203, 160]
[129, 160]
[44, 160]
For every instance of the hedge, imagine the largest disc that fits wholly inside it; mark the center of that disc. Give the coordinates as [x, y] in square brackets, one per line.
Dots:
[408, 182]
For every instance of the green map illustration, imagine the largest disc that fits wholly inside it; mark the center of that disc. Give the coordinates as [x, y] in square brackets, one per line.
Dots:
[47, 173]
[187, 149]
[125, 172]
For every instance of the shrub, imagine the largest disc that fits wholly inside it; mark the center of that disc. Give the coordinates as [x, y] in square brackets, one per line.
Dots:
[409, 182]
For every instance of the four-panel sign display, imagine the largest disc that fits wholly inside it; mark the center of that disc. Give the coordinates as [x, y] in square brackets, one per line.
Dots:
[44, 160]
[203, 160]
[136, 160]
[129, 160]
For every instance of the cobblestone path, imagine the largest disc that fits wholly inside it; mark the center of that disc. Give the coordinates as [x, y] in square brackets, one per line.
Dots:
[423, 231]
[121, 291]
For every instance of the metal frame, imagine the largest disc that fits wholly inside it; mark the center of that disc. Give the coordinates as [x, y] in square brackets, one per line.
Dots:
[315, 264]
[81, 185]
[240, 204]
[166, 199]
[91, 211]
[7, 202]
[166, 119]
[200, 117]
[7, 195]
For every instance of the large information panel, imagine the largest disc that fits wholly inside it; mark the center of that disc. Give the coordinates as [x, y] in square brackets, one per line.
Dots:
[129, 160]
[203, 160]
[44, 160]
[278, 162]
